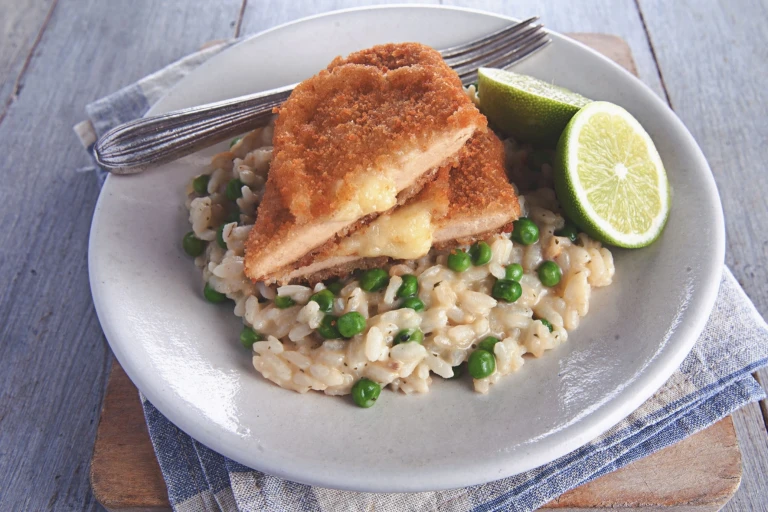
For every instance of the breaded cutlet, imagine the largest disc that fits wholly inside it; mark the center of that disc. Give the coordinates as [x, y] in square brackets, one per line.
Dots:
[351, 143]
[480, 202]
[405, 233]
[482, 199]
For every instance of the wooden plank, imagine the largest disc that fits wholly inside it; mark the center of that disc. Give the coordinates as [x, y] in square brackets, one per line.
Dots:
[612, 46]
[753, 440]
[712, 56]
[266, 14]
[124, 473]
[700, 473]
[762, 378]
[21, 24]
[619, 17]
[55, 360]
[602, 16]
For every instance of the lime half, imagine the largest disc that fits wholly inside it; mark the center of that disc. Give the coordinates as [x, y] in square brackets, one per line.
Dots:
[525, 107]
[609, 177]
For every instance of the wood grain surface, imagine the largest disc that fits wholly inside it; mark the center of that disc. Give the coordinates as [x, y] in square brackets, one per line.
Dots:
[710, 53]
[700, 473]
[55, 358]
[713, 71]
[21, 25]
[124, 474]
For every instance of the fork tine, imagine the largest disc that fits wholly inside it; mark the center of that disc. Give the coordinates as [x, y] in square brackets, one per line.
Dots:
[479, 54]
[501, 54]
[517, 56]
[495, 59]
[524, 53]
[483, 41]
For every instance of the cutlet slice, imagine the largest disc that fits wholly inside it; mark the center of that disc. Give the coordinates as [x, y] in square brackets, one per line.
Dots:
[352, 142]
[482, 199]
[465, 203]
[404, 233]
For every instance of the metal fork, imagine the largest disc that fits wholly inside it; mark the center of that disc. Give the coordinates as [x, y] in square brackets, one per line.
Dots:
[134, 146]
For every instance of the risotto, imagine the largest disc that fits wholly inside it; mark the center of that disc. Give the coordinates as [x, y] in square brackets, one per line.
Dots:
[411, 329]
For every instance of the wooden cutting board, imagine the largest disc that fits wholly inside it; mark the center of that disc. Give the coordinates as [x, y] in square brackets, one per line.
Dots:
[699, 474]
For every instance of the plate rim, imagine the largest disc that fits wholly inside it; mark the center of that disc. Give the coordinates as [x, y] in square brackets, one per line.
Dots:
[648, 384]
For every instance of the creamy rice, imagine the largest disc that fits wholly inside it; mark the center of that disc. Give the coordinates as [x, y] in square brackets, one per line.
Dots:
[459, 309]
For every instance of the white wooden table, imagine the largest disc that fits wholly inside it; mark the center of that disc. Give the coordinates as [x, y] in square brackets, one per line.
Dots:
[707, 58]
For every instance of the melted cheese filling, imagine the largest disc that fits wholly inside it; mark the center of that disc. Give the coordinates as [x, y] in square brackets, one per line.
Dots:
[376, 191]
[369, 193]
[404, 234]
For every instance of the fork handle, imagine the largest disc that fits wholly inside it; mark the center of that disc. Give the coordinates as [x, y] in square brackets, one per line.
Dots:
[136, 145]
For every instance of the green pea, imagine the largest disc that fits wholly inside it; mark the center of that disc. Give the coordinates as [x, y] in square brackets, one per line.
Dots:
[514, 272]
[324, 299]
[458, 371]
[233, 215]
[480, 253]
[365, 392]
[481, 364]
[220, 237]
[569, 231]
[284, 302]
[407, 335]
[334, 286]
[200, 184]
[248, 337]
[328, 329]
[525, 231]
[234, 190]
[546, 324]
[506, 291]
[234, 141]
[488, 343]
[458, 260]
[413, 303]
[409, 288]
[350, 324]
[549, 273]
[192, 245]
[374, 279]
[212, 295]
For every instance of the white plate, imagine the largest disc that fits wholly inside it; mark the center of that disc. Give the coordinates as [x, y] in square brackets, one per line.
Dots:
[185, 356]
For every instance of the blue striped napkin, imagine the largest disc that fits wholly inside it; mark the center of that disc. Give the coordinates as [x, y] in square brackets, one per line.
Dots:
[713, 381]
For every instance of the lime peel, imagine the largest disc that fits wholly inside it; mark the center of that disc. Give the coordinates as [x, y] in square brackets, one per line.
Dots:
[525, 107]
[610, 178]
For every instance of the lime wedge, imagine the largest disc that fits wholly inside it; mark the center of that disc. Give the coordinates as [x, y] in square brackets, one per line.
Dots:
[609, 177]
[525, 107]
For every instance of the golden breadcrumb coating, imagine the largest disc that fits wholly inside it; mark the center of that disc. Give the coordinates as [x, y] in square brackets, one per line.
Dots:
[279, 224]
[357, 116]
[360, 116]
[479, 184]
